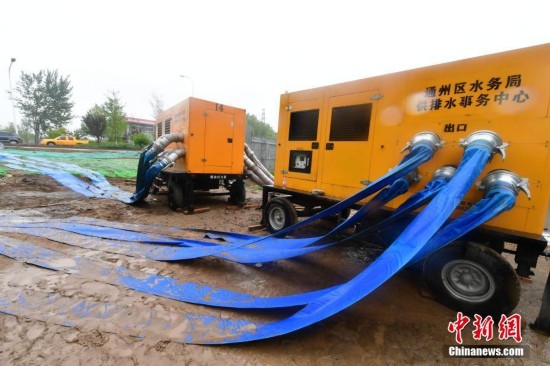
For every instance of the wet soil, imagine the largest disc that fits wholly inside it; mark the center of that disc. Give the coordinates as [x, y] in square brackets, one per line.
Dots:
[397, 324]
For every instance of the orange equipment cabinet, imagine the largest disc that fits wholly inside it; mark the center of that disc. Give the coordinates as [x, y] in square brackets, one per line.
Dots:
[213, 139]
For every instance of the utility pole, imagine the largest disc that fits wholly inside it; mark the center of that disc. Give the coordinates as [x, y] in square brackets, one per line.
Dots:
[11, 95]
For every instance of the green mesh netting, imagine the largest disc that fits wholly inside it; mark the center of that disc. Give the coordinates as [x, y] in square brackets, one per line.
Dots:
[113, 164]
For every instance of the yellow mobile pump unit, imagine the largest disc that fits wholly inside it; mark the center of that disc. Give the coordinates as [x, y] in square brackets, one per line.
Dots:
[333, 140]
[212, 135]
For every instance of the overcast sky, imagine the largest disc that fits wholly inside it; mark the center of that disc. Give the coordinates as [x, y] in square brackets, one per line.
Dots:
[246, 53]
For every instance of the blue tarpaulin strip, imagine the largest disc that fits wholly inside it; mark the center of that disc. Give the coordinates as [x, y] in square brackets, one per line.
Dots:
[98, 187]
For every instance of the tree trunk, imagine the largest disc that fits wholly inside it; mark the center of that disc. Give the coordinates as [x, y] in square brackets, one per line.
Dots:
[36, 133]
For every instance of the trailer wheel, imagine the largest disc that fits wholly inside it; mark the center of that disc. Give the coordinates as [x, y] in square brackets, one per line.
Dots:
[472, 278]
[279, 213]
[175, 195]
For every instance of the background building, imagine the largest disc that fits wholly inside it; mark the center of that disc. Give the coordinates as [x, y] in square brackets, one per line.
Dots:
[137, 125]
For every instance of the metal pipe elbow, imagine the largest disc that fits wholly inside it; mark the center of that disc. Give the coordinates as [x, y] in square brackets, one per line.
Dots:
[169, 157]
[165, 140]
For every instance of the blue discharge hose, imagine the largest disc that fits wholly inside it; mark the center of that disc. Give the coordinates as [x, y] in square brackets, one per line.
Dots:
[145, 176]
[500, 196]
[119, 240]
[152, 284]
[418, 239]
[477, 153]
[501, 189]
[422, 147]
[145, 180]
[440, 179]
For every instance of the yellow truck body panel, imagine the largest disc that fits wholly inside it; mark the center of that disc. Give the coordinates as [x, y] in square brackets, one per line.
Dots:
[334, 138]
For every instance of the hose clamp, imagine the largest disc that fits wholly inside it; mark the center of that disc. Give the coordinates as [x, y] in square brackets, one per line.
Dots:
[425, 137]
[504, 178]
[486, 137]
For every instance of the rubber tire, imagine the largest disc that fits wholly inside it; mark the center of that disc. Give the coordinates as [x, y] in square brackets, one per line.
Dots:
[176, 196]
[237, 193]
[507, 287]
[50, 144]
[284, 209]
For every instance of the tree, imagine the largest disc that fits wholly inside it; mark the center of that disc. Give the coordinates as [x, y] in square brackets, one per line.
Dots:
[80, 133]
[259, 128]
[44, 100]
[10, 128]
[94, 122]
[140, 139]
[56, 133]
[25, 131]
[157, 104]
[116, 119]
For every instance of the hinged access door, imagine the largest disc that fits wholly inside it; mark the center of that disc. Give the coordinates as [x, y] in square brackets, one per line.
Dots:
[348, 142]
[218, 141]
[302, 150]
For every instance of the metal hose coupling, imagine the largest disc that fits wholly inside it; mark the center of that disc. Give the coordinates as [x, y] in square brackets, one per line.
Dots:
[165, 140]
[446, 172]
[426, 137]
[488, 139]
[504, 179]
[169, 157]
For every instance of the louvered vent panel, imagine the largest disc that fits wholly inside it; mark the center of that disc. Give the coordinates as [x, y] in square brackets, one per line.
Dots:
[303, 125]
[159, 129]
[350, 123]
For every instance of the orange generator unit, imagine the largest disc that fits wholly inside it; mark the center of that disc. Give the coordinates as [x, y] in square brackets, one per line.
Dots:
[213, 139]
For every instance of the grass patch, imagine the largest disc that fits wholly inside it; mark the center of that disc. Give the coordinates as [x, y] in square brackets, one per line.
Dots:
[113, 164]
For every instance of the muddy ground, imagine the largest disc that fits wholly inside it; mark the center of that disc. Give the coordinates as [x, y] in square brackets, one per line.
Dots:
[397, 324]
